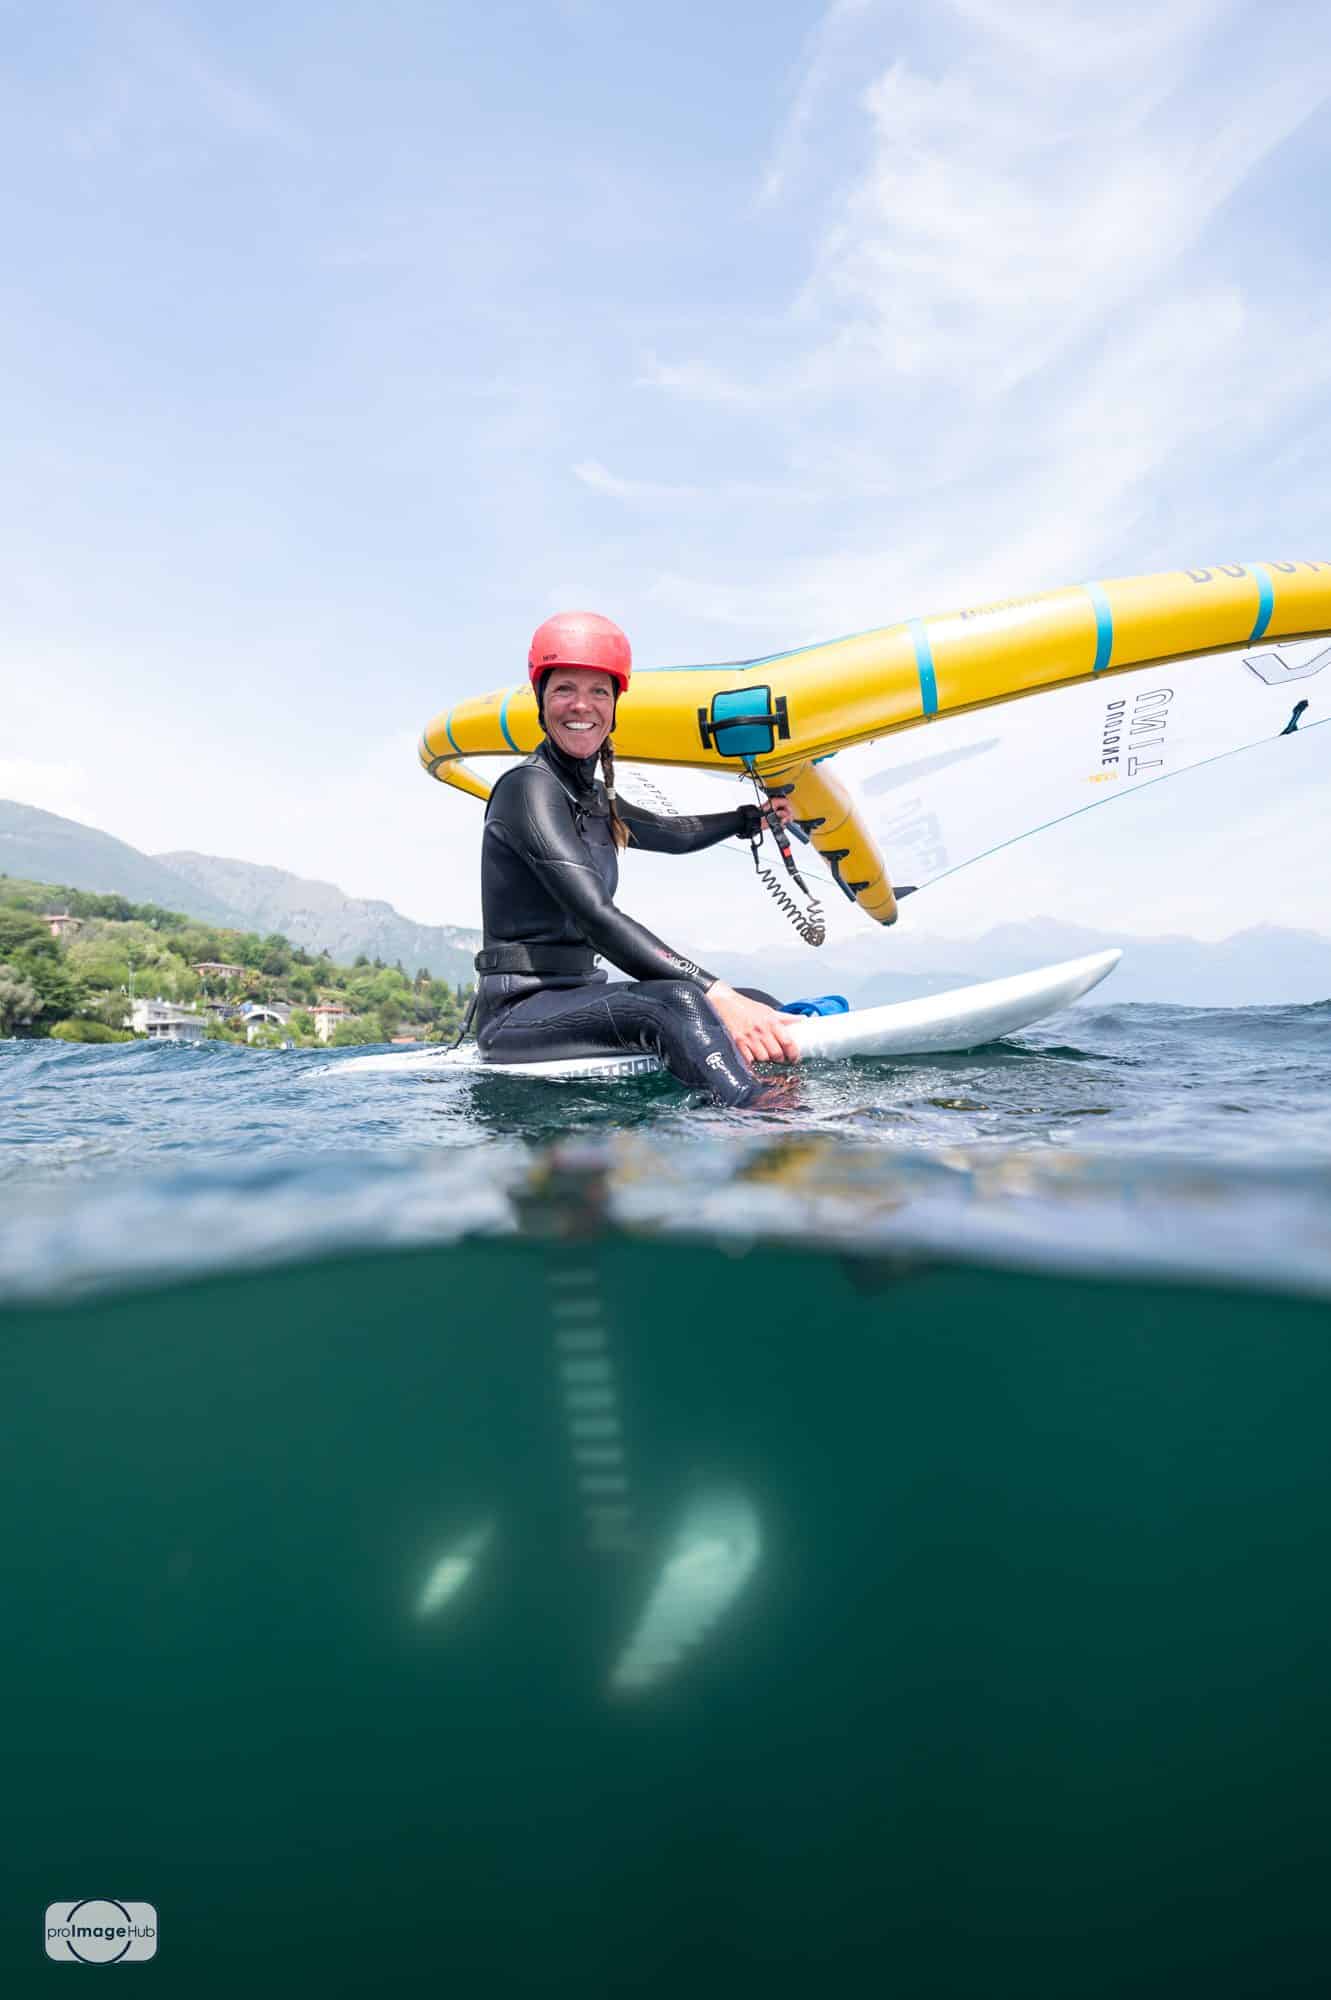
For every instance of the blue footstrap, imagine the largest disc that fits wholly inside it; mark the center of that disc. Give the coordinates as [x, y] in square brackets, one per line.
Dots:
[826, 1003]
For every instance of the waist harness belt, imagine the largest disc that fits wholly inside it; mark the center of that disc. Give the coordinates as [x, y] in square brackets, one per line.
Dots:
[556, 961]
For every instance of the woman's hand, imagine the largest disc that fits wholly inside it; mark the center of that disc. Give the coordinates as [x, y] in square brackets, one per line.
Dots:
[754, 817]
[758, 1032]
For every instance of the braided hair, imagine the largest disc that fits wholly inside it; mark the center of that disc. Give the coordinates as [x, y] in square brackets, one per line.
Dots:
[619, 833]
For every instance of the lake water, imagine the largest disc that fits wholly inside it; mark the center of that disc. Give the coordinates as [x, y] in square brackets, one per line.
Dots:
[475, 1536]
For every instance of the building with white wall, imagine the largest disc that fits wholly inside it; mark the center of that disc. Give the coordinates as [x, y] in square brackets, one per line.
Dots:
[327, 1019]
[164, 1021]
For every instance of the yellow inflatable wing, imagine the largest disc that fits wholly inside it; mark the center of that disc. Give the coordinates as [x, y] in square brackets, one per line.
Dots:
[782, 716]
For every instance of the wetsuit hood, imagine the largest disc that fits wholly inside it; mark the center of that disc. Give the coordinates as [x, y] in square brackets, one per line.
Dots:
[577, 773]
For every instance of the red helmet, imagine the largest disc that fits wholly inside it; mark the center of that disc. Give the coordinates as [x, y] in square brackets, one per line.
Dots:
[580, 639]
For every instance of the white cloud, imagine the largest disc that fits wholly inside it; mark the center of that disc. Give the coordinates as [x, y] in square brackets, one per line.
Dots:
[1008, 342]
[814, 79]
[602, 480]
[1125, 42]
[700, 382]
[1000, 222]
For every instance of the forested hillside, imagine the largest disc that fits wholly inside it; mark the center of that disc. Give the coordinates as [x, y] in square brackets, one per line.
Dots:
[79, 986]
[39, 846]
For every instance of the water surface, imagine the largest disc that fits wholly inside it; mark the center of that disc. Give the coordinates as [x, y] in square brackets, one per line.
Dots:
[473, 1536]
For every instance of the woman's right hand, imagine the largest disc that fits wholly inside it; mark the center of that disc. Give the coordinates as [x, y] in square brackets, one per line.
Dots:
[758, 1032]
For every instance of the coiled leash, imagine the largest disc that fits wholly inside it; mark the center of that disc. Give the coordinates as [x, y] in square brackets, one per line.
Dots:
[810, 922]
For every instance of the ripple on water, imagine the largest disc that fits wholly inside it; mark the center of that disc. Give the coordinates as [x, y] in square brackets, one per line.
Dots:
[1239, 1087]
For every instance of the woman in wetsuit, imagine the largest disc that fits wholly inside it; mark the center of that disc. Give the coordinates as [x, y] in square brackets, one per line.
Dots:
[549, 870]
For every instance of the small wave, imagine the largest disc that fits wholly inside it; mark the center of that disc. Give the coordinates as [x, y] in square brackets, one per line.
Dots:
[1173, 1018]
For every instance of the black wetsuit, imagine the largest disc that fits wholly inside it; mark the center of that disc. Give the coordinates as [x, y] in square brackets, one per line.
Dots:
[549, 870]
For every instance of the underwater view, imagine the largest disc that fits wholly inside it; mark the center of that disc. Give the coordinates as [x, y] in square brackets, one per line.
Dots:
[518, 1535]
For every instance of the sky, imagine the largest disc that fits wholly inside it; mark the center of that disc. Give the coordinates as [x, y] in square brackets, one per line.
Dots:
[341, 343]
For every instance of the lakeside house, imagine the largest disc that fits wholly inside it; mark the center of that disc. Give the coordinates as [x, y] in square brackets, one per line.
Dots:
[328, 1016]
[61, 924]
[260, 1014]
[214, 968]
[164, 1021]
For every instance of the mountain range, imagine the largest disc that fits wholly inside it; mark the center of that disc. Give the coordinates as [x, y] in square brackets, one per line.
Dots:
[238, 895]
[1265, 965]
[320, 917]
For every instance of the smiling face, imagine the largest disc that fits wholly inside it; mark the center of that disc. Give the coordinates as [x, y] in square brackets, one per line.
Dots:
[579, 709]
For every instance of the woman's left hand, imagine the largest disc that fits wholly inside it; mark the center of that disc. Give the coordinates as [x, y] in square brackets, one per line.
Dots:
[759, 1032]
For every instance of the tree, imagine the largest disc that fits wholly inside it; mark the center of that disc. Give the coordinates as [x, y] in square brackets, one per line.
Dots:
[20, 1002]
[80, 903]
[267, 1037]
[110, 1008]
[102, 959]
[276, 962]
[247, 949]
[16, 894]
[222, 1031]
[201, 941]
[105, 958]
[21, 931]
[59, 994]
[88, 1031]
[355, 1034]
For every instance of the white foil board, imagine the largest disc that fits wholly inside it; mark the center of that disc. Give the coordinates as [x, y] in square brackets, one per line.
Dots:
[965, 1018]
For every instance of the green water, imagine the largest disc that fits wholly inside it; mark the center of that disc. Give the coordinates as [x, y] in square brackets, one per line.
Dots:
[1027, 1692]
